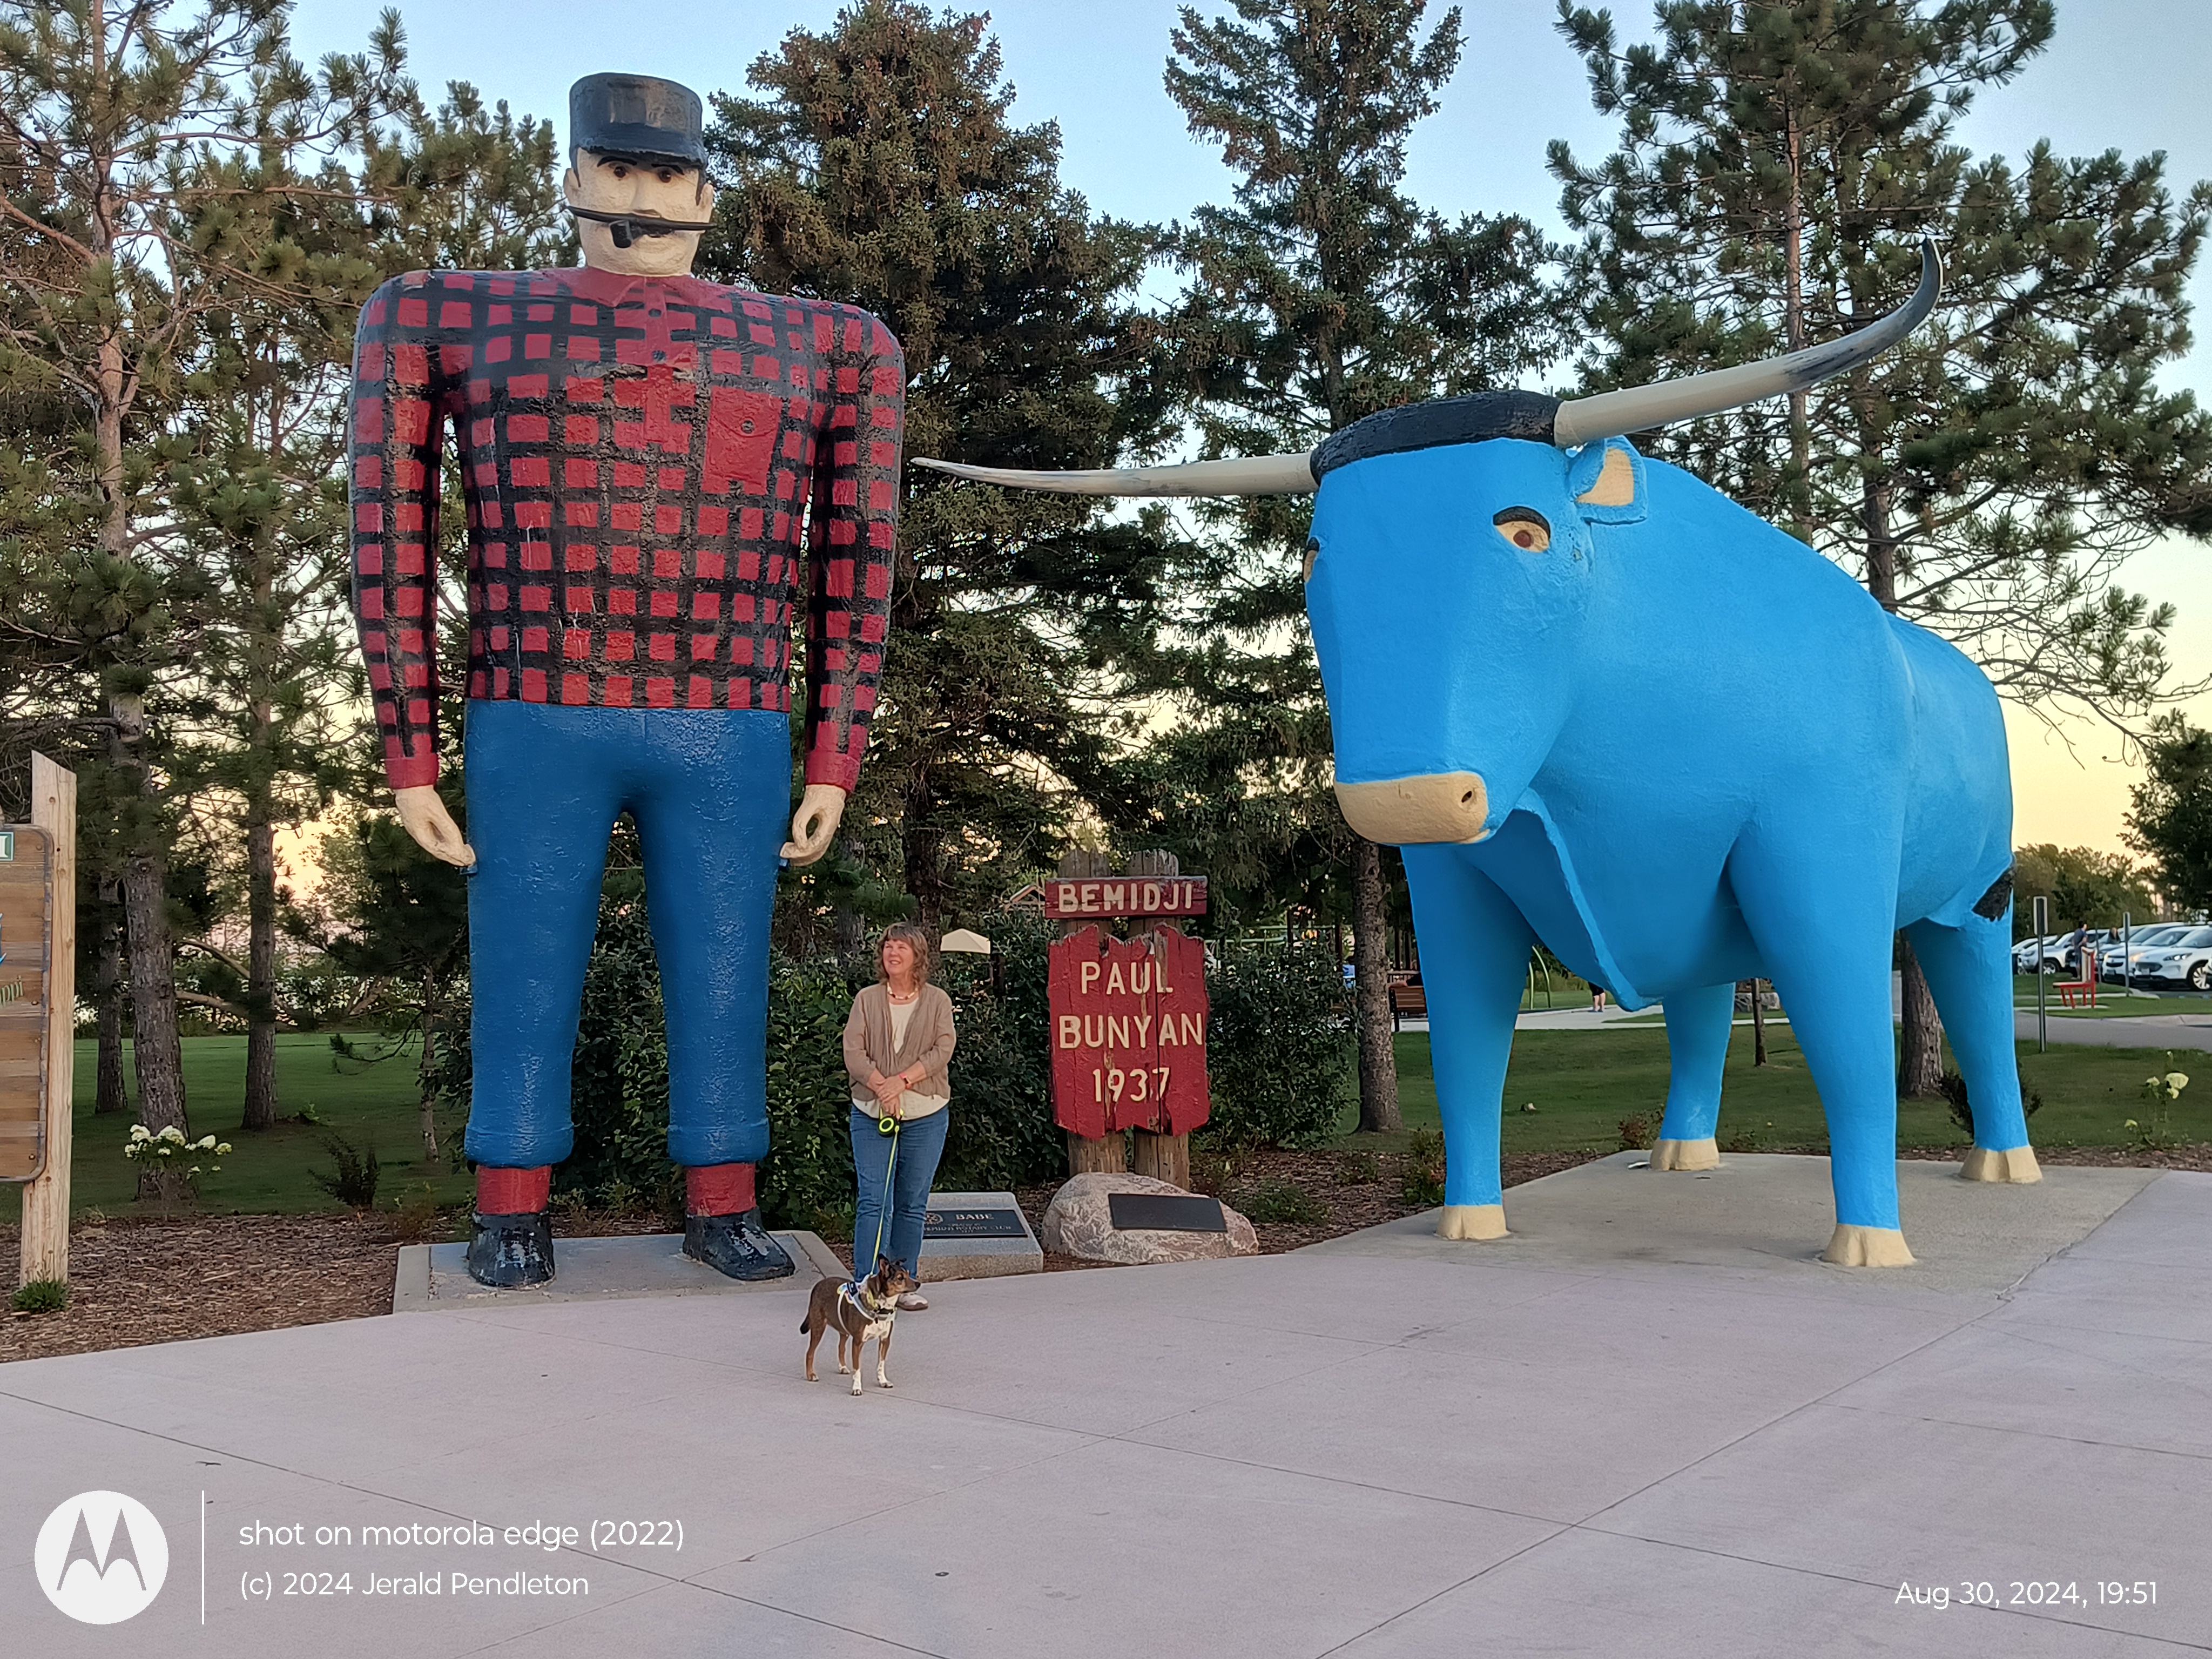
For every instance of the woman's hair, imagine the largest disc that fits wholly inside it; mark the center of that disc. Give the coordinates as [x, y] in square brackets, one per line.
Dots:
[925, 950]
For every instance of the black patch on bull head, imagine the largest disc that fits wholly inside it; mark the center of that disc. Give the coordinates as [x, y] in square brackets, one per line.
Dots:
[1992, 903]
[1466, 420]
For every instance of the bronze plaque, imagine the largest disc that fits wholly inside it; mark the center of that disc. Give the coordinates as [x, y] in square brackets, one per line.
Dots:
[1162, 1212]
[26, 945]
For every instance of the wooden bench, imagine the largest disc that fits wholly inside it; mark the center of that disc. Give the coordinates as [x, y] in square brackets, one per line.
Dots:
[1407, 1002]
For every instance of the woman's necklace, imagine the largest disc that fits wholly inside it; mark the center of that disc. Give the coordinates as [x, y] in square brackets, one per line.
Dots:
[896, 997]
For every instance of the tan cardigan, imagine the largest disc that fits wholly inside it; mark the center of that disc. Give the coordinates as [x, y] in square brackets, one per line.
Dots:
[925, 1055]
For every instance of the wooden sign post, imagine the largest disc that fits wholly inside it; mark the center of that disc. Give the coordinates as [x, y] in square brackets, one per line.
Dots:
[38, 1013]
[1128, 1016]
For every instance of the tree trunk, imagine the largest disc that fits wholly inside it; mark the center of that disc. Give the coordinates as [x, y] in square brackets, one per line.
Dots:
[919, 846]
[1920, 1050]
[1758, 1024]
[155, 1045]
[261, 970]
[109, 988]
[1793, 322]
[426, 1070]
[851, 927]
[1378, 1063]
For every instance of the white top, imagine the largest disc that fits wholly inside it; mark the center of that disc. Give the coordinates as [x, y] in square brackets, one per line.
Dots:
[911, 1105]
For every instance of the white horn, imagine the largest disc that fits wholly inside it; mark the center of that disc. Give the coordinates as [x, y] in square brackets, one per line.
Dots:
[1255, 475]
[1639, 408]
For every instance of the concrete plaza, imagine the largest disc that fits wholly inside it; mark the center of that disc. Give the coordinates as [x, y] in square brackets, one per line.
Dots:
[1650, 1424]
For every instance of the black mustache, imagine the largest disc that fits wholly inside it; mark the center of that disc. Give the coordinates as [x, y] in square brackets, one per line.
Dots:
[627, 228]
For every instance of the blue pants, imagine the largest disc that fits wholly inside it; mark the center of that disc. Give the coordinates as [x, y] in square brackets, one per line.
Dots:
[920, 1143]
[711, 791]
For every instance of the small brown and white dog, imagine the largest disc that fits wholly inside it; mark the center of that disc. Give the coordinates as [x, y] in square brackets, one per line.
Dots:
[860, 1313]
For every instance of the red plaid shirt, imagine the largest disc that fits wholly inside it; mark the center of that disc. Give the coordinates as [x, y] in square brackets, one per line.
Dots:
[641, 457]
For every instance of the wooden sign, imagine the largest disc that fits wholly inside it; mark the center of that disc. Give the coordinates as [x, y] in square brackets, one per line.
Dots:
[1129, 1032]
[26, 957]
[1084, 896]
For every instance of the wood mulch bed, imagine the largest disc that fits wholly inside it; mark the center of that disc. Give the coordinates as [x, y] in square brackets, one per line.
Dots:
[138, 1280]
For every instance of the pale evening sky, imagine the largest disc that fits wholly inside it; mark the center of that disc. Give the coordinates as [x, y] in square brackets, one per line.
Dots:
[2122, 74]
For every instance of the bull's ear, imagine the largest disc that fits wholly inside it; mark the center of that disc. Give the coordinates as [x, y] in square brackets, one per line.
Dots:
[1607, 482]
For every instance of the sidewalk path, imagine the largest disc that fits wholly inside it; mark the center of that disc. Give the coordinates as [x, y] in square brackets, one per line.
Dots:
[1651, 1422]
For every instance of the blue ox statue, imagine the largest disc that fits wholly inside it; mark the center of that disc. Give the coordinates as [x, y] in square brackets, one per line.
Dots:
[1599, 704]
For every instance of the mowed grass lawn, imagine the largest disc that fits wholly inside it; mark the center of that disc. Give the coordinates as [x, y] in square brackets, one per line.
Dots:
[1582, 1084]
[265, 1174]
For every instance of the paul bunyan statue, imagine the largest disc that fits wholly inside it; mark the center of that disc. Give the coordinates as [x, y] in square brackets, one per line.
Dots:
[657, 471]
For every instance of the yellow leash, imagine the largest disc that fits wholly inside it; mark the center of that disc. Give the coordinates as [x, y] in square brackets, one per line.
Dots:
[885, 1125]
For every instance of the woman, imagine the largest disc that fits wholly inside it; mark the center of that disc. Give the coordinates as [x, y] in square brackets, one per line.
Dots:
[898, 1041]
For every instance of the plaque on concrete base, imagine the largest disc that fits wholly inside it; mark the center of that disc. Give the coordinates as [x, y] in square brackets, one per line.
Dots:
[977, 1236]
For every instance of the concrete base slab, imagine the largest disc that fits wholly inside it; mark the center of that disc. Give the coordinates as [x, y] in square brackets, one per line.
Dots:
[1770, 1215]
[1649, 1422]
[434, 1276]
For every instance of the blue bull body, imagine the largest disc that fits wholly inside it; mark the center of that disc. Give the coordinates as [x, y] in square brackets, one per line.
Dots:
[1704, 753]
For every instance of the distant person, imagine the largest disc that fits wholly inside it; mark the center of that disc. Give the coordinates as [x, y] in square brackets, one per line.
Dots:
[1597, 998]
[2076, 947]
[898, 1041]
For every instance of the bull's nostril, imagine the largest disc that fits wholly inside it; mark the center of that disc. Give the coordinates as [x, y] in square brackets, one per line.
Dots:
[1468, 797]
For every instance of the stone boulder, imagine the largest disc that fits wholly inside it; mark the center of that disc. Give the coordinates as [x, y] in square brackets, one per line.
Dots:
[1077, 1223]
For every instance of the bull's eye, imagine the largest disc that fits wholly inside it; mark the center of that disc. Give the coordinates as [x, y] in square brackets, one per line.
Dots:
[1525, 527]
[1313, 552]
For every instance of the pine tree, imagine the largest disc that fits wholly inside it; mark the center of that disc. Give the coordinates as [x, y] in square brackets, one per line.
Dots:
[2170, 820]
[1324, 292]
[106, 111]
[1779, 161]
[878, 166]
[262, 496]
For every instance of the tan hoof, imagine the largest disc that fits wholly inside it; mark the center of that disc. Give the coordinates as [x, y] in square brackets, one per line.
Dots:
[1867, 1246]
[1685, 1154]
[2017, 1166]
[1472, 1221]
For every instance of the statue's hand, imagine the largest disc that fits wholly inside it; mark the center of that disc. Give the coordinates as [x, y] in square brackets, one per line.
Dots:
[814, 825]
[424, 816]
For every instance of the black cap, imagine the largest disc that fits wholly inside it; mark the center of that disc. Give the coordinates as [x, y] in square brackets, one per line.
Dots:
[638, 115]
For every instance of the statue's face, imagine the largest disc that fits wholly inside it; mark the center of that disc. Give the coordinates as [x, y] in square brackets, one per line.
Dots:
[644, 190]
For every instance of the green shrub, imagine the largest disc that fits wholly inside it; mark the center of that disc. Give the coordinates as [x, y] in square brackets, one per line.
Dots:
[358, 1172]
[1002, 1132]
[40, 1295]
[1279, 1050]
[1425, 1168]
[1276, 1200]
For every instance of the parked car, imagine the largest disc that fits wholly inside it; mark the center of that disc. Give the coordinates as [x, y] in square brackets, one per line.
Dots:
[2029, 951]
[2143, 939]
[2185, 961]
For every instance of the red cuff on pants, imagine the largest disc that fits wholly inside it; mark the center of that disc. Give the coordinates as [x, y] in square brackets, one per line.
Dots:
[718, 1189]
[514, 1192]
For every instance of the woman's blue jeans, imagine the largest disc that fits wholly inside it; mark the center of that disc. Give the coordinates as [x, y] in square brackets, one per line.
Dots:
[920, 1143]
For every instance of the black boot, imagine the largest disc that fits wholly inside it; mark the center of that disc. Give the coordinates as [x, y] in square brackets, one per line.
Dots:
[509, 1250]
[735, 1246]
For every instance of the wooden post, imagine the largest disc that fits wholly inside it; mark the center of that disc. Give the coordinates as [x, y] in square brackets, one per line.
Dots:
[1108, 1155]
[46, 1200]
[1163, 1157]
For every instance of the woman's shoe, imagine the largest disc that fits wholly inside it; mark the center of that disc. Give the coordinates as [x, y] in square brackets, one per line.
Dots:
[913, 1302]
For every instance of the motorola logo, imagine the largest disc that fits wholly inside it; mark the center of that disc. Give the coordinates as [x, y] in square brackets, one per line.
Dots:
[102, 1557]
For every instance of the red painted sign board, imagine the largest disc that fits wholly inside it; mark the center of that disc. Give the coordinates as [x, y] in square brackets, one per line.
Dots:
[1129, 1032]
[1074, 898]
